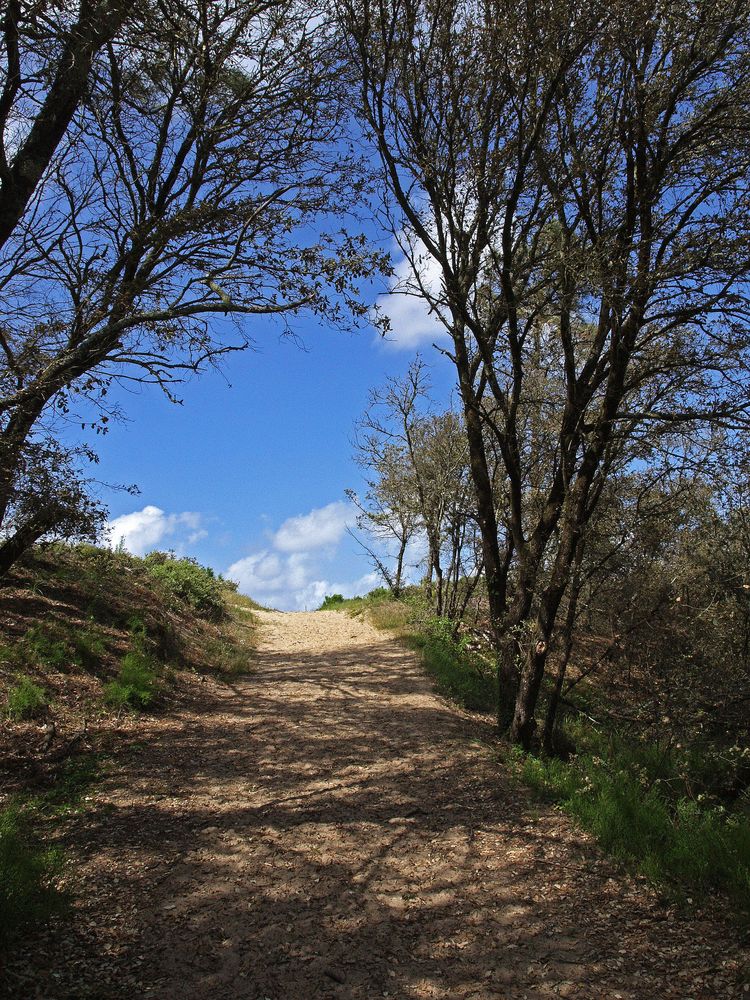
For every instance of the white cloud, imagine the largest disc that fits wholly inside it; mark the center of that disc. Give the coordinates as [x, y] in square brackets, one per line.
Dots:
[291, 582]
[321, 528]
[143, 530]
[412, 323]
[289, 574]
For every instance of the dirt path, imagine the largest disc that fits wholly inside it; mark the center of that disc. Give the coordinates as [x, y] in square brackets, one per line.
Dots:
[328, 827]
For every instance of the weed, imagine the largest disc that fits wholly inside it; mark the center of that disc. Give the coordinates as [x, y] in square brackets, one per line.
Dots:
[136, 684]
[190, 582]
[27, 873]
[634, 798]
[26, 699]
[460, 674]
[46, 649]
[228, 658]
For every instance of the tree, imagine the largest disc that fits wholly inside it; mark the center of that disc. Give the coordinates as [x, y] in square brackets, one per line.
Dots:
[44, 42]
[197, 179]
[580, 177]
[418, 483]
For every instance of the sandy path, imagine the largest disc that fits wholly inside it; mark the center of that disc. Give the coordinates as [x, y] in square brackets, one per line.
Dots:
[328, 827]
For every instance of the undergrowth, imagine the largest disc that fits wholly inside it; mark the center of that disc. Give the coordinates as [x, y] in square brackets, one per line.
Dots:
[677, 814]
[459, 673]
[26, 699]
[191, 583]
[137, 682]
[653, 809]
[380, 608]
[30, 869]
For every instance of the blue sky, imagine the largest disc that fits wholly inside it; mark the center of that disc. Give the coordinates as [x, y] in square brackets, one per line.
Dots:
[250, 479]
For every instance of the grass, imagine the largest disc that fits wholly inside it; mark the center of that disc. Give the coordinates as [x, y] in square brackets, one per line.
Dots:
[380, 608]
[460, 674]
[137, 683]
[28, 870]
[230, 658]
[26, 700]
[645, 808]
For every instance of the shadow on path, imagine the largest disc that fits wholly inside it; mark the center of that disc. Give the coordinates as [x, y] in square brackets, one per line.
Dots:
[328, 827]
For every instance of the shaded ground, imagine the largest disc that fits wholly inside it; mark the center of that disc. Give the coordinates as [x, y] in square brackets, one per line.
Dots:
[328, 827]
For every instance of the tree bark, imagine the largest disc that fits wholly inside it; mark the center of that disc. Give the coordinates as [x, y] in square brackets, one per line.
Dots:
[96, 26]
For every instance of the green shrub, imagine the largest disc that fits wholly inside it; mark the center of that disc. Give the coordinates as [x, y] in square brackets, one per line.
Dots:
[137, 628]
[47, 649]
[26, 699]
[639, 803]
[136, 684]
[331, 601]
[461, 675]
[190, 582]
[27, 871]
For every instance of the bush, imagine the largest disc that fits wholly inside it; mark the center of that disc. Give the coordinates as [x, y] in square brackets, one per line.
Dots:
[136, 684]
[55, 648]
[45, 649]
[26, 699]
[633, 798]
[27, 870]
[331, 601]
[190, 582]
[461, 675]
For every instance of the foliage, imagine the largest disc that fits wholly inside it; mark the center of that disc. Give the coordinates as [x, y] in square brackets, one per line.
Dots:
[460, 674]
[137, 682]
[331, 601]
[205, 223]
[26, 699]
[190, 582]
[46, 649]
[589, 270]
[644, 805]
[27, 873]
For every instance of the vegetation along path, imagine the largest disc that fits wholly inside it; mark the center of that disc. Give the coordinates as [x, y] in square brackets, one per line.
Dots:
[326, 826]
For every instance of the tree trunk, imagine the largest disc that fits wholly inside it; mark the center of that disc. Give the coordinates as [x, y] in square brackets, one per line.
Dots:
[548, 735]
[95, 28]
[13, 547]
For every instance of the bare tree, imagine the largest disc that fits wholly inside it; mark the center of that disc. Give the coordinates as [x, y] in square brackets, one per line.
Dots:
[418, 470]
[579, 175]
[202, 177]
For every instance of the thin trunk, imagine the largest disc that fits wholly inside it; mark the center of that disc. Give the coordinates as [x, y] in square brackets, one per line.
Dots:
[548, 740]
[398, 582]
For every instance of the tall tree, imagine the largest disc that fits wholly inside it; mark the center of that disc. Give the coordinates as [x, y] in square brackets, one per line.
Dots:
[198, 179]
[580, 176]
[48, 53]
